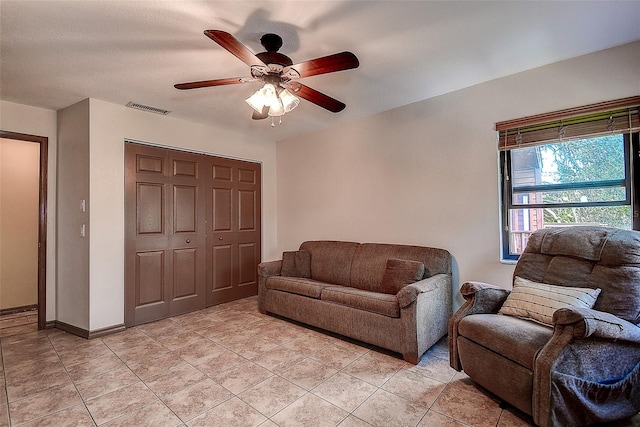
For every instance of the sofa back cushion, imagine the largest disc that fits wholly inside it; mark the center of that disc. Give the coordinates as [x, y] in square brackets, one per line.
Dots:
[330, 260]
[588, 257]
[370, 262]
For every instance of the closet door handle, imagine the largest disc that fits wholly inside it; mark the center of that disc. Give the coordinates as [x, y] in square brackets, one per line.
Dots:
[188, 240]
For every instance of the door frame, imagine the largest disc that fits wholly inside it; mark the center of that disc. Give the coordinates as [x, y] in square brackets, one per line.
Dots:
[42, 218]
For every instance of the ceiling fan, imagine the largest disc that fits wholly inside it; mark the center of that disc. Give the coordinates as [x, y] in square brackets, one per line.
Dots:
[280, 91]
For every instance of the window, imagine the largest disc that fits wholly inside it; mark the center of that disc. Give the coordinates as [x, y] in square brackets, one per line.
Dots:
[549, 180]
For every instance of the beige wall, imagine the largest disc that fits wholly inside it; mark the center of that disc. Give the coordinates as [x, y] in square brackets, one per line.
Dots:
[110, 125]
[19, 219]
[72, 297]
[427, 173]
[41, 122]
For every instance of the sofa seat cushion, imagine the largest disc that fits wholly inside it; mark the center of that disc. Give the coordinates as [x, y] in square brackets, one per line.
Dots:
[516, 339]
[297, 285]
[375, 302]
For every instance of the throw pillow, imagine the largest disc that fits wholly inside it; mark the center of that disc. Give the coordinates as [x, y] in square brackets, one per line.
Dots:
[296, 264]
[399, 273]
[538, 301]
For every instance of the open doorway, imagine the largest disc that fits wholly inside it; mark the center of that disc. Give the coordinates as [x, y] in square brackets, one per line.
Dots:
[12, 241]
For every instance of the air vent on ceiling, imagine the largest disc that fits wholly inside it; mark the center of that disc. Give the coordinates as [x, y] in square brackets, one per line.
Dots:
[142, 107]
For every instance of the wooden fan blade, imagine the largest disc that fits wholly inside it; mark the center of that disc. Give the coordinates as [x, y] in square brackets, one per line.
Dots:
[208, 83]
[319, 98]
[327, 64]
[234, 46]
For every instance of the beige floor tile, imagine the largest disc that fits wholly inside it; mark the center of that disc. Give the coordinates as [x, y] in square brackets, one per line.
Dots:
[37, 384]
[196, 399]
[336, 357]
[152, 367]
[4, 414]
[184, 338]
[106, 382]
[434, 367]
[512, 417]
[175, 379]
[467, 406]
[16, 352]
[415, 387]
[385, 409]
[242, 377]
[344, 391]
[9, 322]
[22, 338]
[352, 421]
[434, 419]
[41, 404]
[66, 344]
[94, 367]
[279, 359]
[271, 395]
[74, 416]
[141, 352]
[232, 413]
[308, 344]
[199, 352]
[308, 373]
[18, 330]
[252, 348]
[374, 368]
[127, 339]
[310, 410]
[221, 361]
[155, 414]
[119, 402]
[33, 366]
[162, 328]
[74, 356]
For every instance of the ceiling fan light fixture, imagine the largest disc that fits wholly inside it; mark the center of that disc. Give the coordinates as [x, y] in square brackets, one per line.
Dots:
[289, 100]
[266, 96]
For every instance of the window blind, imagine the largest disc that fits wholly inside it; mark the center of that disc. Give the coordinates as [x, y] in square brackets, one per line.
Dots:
[619, 116]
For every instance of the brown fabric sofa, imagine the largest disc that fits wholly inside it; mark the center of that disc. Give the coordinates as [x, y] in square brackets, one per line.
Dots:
[348, 288]
[583, 367]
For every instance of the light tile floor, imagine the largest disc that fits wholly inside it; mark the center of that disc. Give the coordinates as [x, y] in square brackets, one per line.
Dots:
[230, 366]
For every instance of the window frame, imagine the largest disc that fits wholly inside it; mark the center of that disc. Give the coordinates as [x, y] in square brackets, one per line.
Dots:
[631, 183]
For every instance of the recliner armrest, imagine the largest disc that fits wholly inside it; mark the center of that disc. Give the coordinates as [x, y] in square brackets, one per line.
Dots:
[599, 324]
[482, 297]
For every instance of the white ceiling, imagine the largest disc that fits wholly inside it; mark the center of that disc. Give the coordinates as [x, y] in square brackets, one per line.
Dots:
[56, 53]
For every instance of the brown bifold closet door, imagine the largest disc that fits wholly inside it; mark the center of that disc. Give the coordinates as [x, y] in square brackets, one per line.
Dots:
[172, 200]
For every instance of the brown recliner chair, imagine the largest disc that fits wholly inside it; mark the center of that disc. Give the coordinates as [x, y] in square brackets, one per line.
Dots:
[581, 366]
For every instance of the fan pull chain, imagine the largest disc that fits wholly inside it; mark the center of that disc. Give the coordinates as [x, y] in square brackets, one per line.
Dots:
[273, 123]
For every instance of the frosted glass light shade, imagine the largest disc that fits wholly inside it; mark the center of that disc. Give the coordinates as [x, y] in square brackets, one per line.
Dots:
[265, 96]
[289, 100]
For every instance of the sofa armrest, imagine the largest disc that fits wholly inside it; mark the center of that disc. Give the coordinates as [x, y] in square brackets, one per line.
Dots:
[409, 293]
[425, 309]
[265, 270]
[269, 268]
[598, 324]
